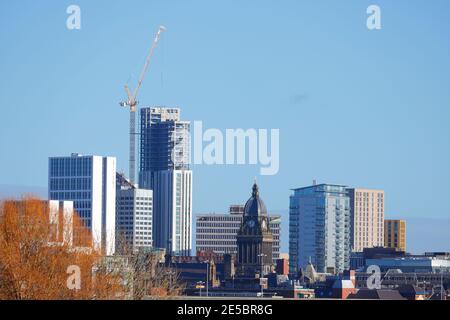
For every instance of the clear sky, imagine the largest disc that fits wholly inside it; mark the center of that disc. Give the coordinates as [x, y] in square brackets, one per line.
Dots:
[355, 107]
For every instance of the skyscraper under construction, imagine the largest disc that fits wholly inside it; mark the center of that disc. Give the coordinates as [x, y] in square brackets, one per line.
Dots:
[164, 168]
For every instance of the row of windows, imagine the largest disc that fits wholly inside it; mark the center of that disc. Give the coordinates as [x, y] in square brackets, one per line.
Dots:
[378, 238]
[366, 210]
[124, 218]
[82, 205]
[143, 224]
[139, 209]
[233, 224]
[64, 167]
[133, 203]
[214, 243]
[227, 218]
[143, 243]
[70, 184]
[219, 225]
[215, 230]
[85, 214]
[123, 226]
[141, 217]
[228, 230]
[124, 198]
[367, 224]
[71, 196]
[226, 246]
[121, 222]
[144, 203]
[215, 236]
[366, 194]
[143, 238]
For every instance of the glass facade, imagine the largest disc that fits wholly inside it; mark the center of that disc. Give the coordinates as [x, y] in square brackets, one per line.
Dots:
[88, 181]
[319, 228]
[70, 178]
[164, 168]
[165, 140]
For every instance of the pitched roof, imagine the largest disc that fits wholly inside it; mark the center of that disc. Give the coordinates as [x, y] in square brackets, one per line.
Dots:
[376, 294]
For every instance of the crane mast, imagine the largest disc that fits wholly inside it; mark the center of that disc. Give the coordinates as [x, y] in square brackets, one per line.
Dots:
[132, 103]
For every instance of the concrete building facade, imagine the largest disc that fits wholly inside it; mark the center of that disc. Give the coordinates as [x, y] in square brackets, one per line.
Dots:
[217, 232]
[395, 234]
[134, 214]
[367, 218]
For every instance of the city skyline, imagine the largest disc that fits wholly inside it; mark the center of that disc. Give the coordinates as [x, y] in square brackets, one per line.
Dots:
[404, 143]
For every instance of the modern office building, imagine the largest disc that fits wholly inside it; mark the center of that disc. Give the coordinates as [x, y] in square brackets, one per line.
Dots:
[395, 234]
[358, 259]
[164, 168]
[319, 228]
[367, 218]
[134, 215]
[412, 263]
[217, 232]
[90, 182]
[172, 211]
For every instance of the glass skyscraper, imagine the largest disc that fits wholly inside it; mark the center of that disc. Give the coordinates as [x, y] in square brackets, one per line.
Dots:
[164, 168]
[319, 228]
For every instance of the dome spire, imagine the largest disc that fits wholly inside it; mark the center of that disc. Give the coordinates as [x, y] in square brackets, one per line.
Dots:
[255, 205]
[255, 190]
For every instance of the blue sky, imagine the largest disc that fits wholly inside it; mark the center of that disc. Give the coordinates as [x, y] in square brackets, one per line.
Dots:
[355, 107]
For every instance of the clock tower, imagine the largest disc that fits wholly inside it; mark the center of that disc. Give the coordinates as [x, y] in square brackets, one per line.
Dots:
[254, 239]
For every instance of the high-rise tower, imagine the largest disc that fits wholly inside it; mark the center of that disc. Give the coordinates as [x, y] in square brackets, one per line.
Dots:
[164, 168]
[319, 228]
[366, 218]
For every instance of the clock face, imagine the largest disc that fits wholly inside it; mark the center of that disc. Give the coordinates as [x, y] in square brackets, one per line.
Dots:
[251, 223]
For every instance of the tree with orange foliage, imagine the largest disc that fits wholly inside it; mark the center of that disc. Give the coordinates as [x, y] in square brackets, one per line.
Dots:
[35, 266]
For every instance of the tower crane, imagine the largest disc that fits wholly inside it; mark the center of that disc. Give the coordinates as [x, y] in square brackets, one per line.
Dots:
[132, 103]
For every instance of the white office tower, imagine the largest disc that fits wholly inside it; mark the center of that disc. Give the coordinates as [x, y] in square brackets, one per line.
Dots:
[134, 215]
[90, 182]
[164, 168]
